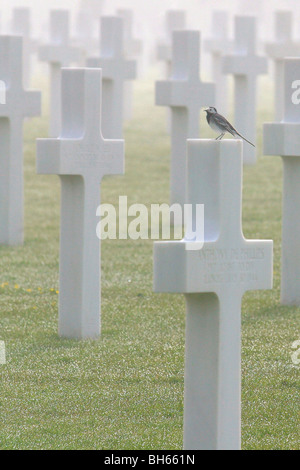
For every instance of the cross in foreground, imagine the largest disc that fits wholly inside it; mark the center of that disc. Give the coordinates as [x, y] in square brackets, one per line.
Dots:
[214, 280]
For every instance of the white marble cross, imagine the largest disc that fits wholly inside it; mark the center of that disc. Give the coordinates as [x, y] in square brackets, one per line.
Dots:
[133, 49]
[81, 157]
[283, 138]
[175, 21]
[84, 37]
[214, 280]
[185, 94]
[116, 69]
[218, 45]
[283, 46]
[58, 53]
[245, 66]
[15, 105]
[21, 26]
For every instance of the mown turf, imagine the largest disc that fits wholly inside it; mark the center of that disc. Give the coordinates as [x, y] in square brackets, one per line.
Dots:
[125, 391]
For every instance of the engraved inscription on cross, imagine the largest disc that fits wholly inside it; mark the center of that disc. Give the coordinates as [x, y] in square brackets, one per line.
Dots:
[245, 66]
[81, 157]
[116, 69]
[185, 94]
[16, 104]
[214, 280]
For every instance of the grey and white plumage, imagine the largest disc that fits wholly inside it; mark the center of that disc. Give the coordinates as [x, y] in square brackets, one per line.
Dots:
[220, 124]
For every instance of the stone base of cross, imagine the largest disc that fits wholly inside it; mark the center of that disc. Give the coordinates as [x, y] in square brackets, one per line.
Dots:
[283, 138]
[213, 279]
[81, 157]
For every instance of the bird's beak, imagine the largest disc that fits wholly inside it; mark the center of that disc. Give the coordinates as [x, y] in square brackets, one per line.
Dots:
[205, 109]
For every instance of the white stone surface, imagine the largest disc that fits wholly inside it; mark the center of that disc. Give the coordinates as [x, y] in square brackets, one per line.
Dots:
[175, 20]
[133, 49]
[116, 70]
[218, 45]
[95, 6]
[84, 36]
[245, 66]
[283, 138]
[185, 94]
[15, 105]
[81, 157]
[21, 26]
[58, 53]
[282, 46]
[213, 280]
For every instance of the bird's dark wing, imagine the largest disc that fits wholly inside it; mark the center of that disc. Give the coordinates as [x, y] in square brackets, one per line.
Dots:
[224, 124]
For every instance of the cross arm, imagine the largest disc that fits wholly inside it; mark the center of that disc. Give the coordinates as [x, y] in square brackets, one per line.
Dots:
[218, 45]
[281, 138]
[58, 54]
[245, 65]
[113, 69]
[178, 269]
[75, 157]
[282, 50]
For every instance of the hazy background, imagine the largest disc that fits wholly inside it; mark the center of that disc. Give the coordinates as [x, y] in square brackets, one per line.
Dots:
[149, 13]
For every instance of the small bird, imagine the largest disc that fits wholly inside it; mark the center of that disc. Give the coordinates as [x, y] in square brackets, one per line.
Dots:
[219, 124]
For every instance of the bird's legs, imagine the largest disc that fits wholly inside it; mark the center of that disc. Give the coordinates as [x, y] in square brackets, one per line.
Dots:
[220, 137]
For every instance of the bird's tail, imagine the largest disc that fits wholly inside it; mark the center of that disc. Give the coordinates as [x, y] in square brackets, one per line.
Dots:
[242, 137]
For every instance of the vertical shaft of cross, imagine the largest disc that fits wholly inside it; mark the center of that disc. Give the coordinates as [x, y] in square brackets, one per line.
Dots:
[11, 182]
[21, 26]
[278, 86]
[59, 26]
[212, 383]
[290, 269]
[79, 267]
[16, 104]
[245, 86]
[112, 36]
[55, 101]
[290, 266]
[58, 53]
[217, 46]
[179, 121]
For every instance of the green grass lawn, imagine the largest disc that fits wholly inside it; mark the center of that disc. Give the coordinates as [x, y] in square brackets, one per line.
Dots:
[125, 391]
